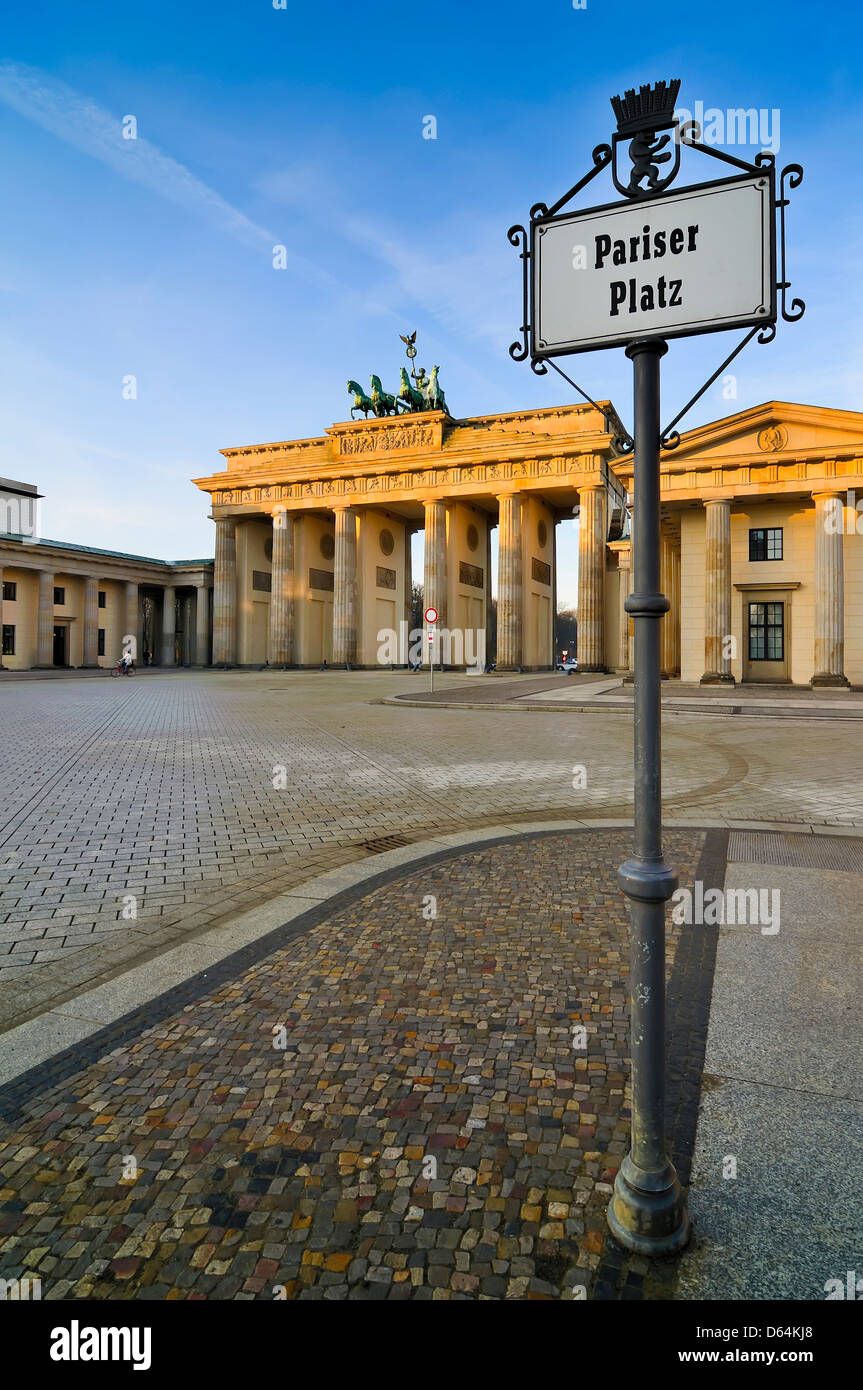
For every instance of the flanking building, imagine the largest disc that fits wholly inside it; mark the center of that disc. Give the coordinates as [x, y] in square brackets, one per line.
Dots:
[762, 554]
[65, 605]
[762, 551]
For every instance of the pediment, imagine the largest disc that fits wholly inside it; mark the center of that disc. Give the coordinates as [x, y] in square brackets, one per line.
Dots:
[774, 432]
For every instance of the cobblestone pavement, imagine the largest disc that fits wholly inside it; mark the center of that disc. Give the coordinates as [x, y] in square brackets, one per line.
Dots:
[136, 812]
[393, 1104]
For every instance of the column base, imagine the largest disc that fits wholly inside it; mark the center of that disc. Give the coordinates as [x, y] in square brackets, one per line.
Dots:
[647, 1212]
[826, 680]
[90, 666]
[717, 678]
[600, 670]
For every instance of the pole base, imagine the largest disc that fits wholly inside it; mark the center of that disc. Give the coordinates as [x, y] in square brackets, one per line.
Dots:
[648, 1212]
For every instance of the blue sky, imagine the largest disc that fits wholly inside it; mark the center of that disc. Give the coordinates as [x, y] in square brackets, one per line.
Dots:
[303, 127]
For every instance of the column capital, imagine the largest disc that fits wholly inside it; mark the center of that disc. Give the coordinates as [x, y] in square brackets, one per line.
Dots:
[828, 494]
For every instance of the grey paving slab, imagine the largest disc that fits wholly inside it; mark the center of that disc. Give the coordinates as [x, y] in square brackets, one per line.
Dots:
[792, 1218]
[790, 1012]
[776, 1197]
[816, 903]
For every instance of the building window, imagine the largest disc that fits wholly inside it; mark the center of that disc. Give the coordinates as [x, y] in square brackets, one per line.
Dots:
[8, 639]
[765, 543]
[101, 598]
[767, 632]
[10, 590]
[101, 648]
[59, 597]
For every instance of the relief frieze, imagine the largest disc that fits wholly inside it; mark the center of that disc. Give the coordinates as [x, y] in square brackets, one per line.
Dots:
[386, 441]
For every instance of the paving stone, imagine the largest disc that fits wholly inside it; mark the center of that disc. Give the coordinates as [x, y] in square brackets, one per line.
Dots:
[261, 1167]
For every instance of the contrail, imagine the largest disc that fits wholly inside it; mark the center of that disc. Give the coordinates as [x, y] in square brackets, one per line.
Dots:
[60, 110]
[99, 134]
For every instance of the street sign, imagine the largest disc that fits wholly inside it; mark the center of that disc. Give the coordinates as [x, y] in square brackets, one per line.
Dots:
[632, 274]
[430, 638]
[695, 261]
[431, 615]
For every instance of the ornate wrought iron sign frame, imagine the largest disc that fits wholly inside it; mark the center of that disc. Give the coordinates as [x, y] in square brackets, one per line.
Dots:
[763, 315]
[647, 185]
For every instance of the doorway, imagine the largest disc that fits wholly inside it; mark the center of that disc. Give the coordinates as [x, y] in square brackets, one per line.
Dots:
[61, 633]
[766, 624]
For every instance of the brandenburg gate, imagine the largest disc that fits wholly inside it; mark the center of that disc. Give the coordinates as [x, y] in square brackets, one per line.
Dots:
[313, 536]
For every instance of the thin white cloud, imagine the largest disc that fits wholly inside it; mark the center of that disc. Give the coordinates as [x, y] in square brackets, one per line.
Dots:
[471, 292]
[95, 132]
[99, 134]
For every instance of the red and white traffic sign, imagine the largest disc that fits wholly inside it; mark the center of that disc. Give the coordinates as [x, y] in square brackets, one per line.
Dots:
[431, 615]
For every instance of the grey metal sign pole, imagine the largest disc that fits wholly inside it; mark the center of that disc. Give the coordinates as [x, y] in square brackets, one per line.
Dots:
[648, 1210]
[633, 274]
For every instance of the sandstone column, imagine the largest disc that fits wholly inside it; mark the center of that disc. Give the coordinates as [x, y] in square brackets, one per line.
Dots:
[169, 626]
[624, 560]
[345, 588]
[281, 647]
[676, 613]
[592, 532]
[91, 621]
[489, 603]
[225, 594]
[202, 626]
[509, 583]
[408, 594]
[187, 652]
[717, 594]
[829, 590]
[131, 621]
[434, 575]
[667, 621]
[45, 623]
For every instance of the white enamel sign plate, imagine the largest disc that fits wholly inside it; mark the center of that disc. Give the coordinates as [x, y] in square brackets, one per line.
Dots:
[695, 261]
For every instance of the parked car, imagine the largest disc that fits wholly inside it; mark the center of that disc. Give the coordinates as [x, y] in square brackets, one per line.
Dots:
[567, 666]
